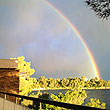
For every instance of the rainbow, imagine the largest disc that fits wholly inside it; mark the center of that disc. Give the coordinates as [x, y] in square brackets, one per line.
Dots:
[94, 65]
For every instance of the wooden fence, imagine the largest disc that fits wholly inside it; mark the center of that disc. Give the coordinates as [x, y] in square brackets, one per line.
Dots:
[8, 105]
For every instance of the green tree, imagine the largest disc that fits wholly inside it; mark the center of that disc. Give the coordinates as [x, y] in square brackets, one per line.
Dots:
[87, 84]
[100, 7]
[63, 82]
[24, 67]
[25, 83]
[101, 83]
[43, 82]
[96, 103]
[107, 84]
[57, 83]
[73, 97]
[26, 86]
[35, 104]
[83, 78]
[77, 83]
[51, 83]
[93, 82]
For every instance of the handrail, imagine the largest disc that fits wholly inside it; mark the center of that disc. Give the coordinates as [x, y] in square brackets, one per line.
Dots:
[55, 103]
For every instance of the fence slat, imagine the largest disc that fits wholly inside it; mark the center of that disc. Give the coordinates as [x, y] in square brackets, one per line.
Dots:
[1, 103]
[8, 105]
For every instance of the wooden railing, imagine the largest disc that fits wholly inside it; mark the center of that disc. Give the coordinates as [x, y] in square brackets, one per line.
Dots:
[55, 103]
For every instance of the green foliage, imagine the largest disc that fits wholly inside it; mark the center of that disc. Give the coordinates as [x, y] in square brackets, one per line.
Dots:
[34, 104]
[63, 82]
[24, 67]
[26, 83]
[43, 82]
[76, 96]
[96, 103]
[97, 83]
[100, 7]
[29, 102]
[73, 97]
[69, 83]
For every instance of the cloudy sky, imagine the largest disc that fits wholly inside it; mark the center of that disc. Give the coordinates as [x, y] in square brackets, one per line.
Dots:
[33, 29]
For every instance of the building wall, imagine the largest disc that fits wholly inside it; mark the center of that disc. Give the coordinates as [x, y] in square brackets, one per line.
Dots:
[9, 81]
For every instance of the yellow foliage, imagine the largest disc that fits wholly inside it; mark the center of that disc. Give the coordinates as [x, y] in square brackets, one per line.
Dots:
[25, 82]
[24, 67]
[26, 86]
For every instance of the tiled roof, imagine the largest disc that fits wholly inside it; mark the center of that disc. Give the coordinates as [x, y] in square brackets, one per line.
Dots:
[8, 63]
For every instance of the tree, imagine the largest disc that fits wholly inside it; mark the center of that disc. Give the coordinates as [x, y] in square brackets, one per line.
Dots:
[57, 83]
[73, 97]
[78, 83]
[63, 82]
[26, 84]
[101, 7]
[96, 103]
[88, 84]
[42, 82]
[34, 104]
[83, 78]
[101, 83]
[93, 82]
[24, 67]
[51, 83]
[107, 84]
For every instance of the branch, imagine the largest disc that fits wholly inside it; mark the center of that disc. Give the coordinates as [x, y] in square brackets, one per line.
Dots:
[101, 7]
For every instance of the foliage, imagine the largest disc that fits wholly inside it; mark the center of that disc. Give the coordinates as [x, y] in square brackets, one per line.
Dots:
[76, 96]
[26, 85]
[29, 102]
[101, 7]
[73, 97]
[96, 103]
[34, 104]
[42, 82]
[25, 67]
[70, 83]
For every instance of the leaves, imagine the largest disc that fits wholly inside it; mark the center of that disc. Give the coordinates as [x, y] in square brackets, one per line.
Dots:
[96, 103]
[100, 7]
[24, 67]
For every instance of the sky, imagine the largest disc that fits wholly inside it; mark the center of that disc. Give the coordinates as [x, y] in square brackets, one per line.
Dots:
[33, 29]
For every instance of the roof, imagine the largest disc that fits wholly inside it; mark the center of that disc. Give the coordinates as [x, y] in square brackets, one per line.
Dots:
[8, 63]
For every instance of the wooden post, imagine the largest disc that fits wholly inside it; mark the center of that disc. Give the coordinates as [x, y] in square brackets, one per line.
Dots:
[40, 106]
[5, 96]
[16, 100]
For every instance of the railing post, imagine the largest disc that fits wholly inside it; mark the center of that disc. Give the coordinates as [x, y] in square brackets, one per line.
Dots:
[16, 100]
[5, 96]
[40, 106]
